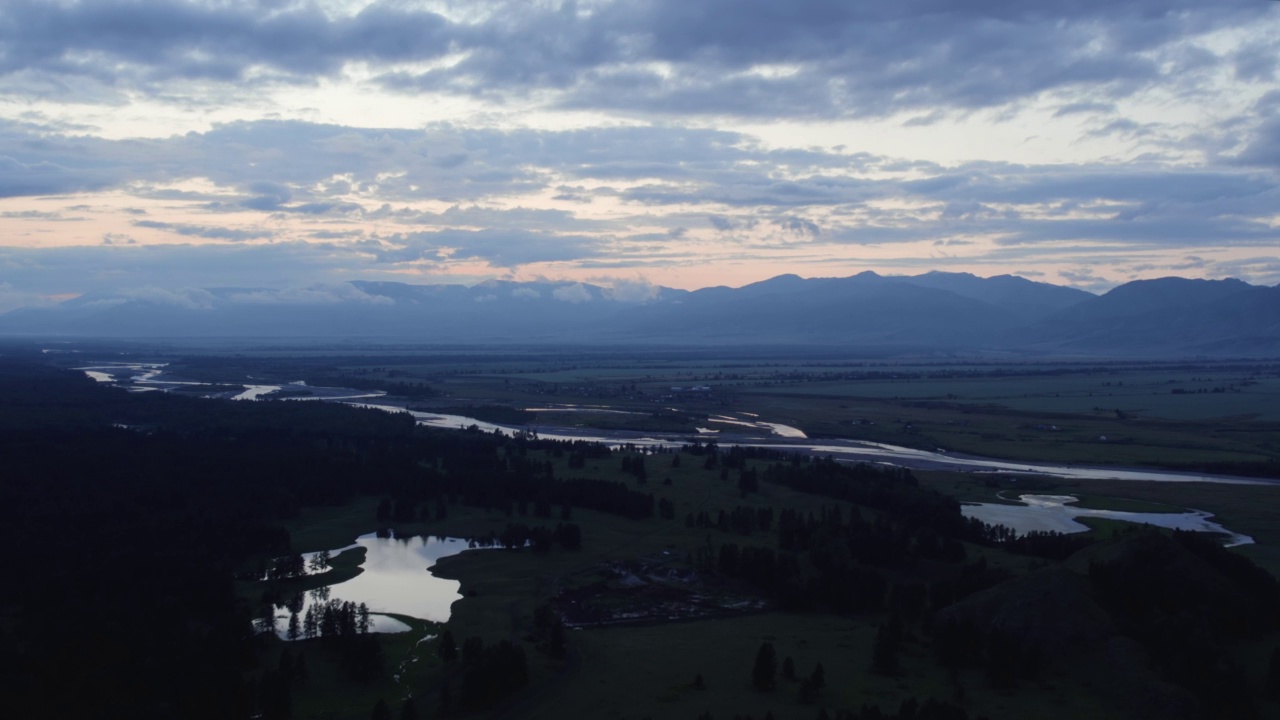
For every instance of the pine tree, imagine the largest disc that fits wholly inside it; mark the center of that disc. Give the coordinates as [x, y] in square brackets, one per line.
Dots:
[448, 649]
[310, 623]
[446, 696]
[884, 653]
[764, 672]
[1273, 674]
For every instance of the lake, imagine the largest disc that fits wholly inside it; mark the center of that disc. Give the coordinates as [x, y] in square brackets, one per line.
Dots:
[396, 579]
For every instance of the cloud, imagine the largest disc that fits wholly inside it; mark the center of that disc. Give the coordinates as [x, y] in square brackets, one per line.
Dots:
[39, 215]
[825, 58]
[384, 203]
[1086, 107]
[267, 195]
[1125, 128]
[313, 295]
[799, 227]
[75, 270]
[501, 248]
[1260, 270]
[490, 217]
[189, 298]
[576, 293]
[721, 223]
[1263, 147]
[1256, 61]
[634, 290]
[12, 298]
[159, 39]
[726, 173]
[203, 231]
[1084, 278]
[42, 177]
[815, 58]
[321, 208]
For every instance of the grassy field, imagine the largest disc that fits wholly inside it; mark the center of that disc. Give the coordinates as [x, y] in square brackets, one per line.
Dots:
[1139, 393]
[649, 672]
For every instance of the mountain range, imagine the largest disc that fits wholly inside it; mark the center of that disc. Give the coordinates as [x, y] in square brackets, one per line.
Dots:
[933, 312]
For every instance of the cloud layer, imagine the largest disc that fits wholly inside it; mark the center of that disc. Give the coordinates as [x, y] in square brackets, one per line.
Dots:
[804, 57]
[675, 142]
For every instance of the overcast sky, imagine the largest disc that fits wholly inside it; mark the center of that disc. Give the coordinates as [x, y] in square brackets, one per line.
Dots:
[177, 144]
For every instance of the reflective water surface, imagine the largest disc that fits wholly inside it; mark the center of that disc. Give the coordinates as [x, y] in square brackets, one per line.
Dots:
[1055, 513]
[396, 579]
[144, 377]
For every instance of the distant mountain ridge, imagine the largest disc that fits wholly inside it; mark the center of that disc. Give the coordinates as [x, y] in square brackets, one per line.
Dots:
[933, 312]
[1166, 316]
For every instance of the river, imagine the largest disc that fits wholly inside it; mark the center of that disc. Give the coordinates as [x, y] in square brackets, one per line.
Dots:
[792, 440]
[776, 436]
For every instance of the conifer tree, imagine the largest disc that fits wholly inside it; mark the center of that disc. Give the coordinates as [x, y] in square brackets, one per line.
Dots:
[764, 673]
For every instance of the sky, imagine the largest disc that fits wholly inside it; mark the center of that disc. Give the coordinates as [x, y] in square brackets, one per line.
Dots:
[158, 146]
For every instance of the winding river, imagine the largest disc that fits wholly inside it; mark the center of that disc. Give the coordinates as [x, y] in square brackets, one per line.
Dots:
[791, 439]
[150, 376]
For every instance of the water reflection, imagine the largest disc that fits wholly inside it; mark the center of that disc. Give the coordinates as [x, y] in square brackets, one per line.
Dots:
[596, 409]
[255, 392]
[142, 377]
[1055, 513]
[395, 579]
